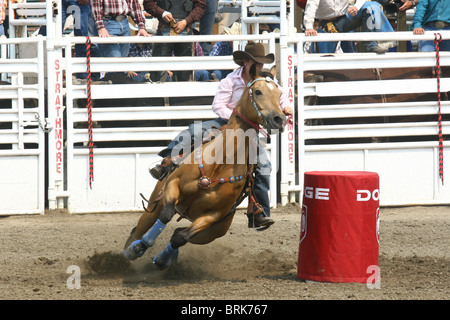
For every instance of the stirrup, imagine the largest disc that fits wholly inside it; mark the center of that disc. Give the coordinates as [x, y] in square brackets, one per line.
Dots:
[160, 171]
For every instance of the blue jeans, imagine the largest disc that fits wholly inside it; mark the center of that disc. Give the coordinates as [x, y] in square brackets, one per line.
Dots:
[80, 27]
[429, 46]
[330, 47]
[181, 49]
[2, 30]
[207, 23]
[202, 75]
[116, 29]
[140, 77]
[205, 75]
[194, 135]
[84, 27]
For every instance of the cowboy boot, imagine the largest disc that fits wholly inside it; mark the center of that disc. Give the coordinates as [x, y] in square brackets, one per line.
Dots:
[161, 170]
[256, 215]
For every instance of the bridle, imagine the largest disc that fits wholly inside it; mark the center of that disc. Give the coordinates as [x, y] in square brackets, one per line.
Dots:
[204, 182]
[255, 105]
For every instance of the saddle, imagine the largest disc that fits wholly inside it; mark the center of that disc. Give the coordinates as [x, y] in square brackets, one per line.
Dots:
[170, 164]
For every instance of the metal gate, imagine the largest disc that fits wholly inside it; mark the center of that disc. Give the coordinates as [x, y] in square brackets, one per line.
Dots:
[22, 128]
[402, 147]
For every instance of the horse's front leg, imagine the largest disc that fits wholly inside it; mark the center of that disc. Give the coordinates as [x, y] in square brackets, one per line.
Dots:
[138, 247]
[166, 257]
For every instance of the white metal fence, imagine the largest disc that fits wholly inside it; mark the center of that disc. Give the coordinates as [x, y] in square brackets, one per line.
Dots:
[402, 147]
[129, 136]
[134, 121]
[22, 136]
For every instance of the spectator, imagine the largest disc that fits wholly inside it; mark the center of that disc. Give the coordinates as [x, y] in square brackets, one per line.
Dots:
[339, 16]
[80, 27]
[3, 4]
[139, 50]
[207, 24]
[432, 15]
[221, 48]
[177, 21]
[110, 17]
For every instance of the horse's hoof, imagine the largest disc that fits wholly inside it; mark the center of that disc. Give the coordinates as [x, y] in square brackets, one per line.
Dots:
[166, 258]
[135, 250]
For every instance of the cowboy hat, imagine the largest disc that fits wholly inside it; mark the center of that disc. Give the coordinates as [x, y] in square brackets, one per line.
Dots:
[234, 29]
[253, 51]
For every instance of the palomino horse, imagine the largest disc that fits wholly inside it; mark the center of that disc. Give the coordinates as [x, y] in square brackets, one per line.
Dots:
[207, 193]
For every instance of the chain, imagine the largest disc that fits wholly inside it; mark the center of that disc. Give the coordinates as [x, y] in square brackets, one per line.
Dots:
[43, 125]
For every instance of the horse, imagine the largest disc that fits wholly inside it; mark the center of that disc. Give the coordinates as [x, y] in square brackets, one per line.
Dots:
[208, 193]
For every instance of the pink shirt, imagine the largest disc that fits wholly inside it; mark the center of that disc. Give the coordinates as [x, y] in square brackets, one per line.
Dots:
[230, 91]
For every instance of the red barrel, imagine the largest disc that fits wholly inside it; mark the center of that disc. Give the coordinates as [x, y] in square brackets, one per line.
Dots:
[339, 237]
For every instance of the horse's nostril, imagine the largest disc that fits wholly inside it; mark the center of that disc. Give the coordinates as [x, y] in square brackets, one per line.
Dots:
[278, 121]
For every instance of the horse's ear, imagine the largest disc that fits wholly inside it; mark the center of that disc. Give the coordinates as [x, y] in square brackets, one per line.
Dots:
[266, 73]
[252, 72]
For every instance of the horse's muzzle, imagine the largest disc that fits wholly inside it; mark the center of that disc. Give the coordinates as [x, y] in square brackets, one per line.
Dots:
[276, 122]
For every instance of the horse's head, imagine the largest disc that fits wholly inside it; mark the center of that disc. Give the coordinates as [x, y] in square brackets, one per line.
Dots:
[261, 104]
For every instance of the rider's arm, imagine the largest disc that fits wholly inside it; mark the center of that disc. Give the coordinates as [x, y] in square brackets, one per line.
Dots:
[224, 93]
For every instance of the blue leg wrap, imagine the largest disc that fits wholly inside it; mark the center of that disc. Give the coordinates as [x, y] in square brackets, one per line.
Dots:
[150, 237]
[135, 250]
[138, 247]
[166, 257]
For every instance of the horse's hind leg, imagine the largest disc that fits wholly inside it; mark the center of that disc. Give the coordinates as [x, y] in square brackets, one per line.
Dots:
[180, 237]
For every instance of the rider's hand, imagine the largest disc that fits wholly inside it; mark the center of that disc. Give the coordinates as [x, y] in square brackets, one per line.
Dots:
[287, 111]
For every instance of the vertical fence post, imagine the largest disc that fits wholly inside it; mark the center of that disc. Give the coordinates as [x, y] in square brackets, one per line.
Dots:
[55, 105]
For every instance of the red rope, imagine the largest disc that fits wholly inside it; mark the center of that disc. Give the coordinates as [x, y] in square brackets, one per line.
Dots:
[89, 104]
[438, 77]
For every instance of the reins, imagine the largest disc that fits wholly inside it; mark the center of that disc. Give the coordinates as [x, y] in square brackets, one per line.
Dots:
[255, 105]
[204, 182]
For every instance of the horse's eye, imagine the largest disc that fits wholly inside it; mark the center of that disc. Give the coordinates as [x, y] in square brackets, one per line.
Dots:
[258, 92]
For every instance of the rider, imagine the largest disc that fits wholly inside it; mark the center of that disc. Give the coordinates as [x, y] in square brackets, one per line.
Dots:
[226, 99]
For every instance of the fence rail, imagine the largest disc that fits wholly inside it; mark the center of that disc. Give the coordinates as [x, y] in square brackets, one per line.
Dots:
[399, 140]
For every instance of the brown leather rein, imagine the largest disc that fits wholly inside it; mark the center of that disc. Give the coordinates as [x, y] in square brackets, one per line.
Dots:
[204, 181]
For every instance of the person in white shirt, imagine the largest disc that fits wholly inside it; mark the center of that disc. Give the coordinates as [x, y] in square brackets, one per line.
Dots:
[340, 16]
[227, 97]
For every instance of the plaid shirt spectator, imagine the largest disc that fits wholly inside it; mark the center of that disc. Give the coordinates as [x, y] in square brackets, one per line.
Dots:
[222, 48]
[143, 50]
[105, 8]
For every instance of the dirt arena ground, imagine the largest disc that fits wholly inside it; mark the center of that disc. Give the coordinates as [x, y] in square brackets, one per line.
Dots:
[36, 253]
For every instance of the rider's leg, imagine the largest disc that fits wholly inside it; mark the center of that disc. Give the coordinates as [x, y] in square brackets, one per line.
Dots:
[182, 144]
[261, 190]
